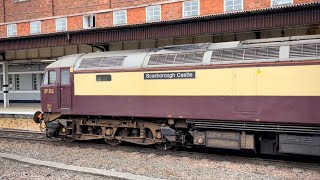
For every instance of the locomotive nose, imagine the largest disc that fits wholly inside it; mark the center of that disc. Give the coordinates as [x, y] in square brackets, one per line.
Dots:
[37, 116]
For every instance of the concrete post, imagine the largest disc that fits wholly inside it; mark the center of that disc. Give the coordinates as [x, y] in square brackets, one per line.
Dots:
[5, 84]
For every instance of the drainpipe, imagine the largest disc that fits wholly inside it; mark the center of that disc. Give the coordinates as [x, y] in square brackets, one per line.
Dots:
[4, 10]
[52, 7]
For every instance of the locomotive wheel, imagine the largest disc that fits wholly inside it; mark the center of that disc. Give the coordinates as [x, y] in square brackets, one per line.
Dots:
[165, 146]
[113, 142]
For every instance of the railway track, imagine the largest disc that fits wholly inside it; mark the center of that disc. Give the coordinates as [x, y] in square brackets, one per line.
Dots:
[22, 134]
[303, 162]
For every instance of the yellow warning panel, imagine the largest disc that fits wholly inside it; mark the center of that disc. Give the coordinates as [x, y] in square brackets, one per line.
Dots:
[19, 123]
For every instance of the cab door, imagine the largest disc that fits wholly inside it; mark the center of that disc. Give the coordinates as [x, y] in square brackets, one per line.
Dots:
[50, 92]
[65, 89]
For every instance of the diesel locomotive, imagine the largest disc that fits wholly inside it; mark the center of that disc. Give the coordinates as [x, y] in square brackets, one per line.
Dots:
[258, 95]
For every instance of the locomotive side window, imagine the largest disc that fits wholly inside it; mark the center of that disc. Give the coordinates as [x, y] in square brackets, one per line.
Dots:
[105, 77]
[52, 77]
[46, 78]
[65, 77]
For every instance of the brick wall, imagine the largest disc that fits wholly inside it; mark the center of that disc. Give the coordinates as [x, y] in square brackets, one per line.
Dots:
[11, 11]
[136, 16]
[129, 3]
[23, 29]
[1, 11]
[65, 7]
[303, 1]
[216, 7]
[256, 4]
[171, 11]
[48, 26]
[104, 19]
[3, 31]
[32, 9]
[75, 23]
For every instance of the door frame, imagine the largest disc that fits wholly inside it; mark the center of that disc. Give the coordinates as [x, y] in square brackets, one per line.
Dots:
[60, 86]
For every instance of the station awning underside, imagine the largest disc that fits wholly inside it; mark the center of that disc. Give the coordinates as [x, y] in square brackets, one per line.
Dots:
[271, 18]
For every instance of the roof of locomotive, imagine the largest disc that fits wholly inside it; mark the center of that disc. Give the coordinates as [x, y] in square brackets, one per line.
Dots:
[65, 61]
[264, 50]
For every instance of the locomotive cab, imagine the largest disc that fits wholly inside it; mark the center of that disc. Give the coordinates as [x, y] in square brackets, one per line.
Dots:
[56, 90]
[57, 87]
[56, 93]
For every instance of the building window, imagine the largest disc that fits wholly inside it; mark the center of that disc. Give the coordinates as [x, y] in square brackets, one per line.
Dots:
[153, 13]
[280, 2]
[35, 27]
[89, 21]
[190, 8]
[34, 82]
[17, 82]
[232, 5]
[120, 17]
[12, 30]
[61, 24]
[1, 82]
[10, 87]
[41, 78]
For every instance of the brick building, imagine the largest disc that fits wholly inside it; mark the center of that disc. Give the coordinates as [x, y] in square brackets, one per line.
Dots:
[33, 32]
[32, 17]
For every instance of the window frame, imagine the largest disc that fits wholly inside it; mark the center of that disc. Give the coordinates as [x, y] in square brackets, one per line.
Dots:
[49, 76]
[9, 26]
[100, 77]
[34, 82]
[39, 27]
[45, 78]
[272, 5]
[153, 13]
[114, 17]
[89, 25]
[66, 20]
[183, 10]
[225, 10]
[1, 82]
[61, 76]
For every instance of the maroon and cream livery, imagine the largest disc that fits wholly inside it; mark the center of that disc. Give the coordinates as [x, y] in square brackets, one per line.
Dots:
[259, 95]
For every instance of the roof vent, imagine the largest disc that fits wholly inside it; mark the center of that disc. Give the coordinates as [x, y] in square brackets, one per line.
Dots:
[304, 50]
[176, 58]
[251, 54]
[102, 62]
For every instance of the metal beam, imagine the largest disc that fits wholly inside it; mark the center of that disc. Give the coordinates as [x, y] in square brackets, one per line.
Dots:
[5, 84]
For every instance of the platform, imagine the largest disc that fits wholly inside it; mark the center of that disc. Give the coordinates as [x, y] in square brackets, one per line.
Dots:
[20, 109]
[19, 116]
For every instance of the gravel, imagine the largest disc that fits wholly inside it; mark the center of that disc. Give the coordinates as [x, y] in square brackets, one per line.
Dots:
[159, 165]
[16, 170]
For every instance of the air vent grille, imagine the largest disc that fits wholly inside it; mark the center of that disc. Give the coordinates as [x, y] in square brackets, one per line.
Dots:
[102, 62]
[245, 54]
[176, 58]
[304, 50]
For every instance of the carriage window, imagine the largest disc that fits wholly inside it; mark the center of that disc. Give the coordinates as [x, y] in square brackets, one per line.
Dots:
[106, 77]
[52, 77]
[65, 77]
